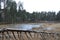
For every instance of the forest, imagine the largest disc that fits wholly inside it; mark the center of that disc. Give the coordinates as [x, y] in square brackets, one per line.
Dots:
[11, 14]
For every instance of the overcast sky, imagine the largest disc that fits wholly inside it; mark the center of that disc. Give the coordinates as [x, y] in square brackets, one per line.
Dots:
[41, 5]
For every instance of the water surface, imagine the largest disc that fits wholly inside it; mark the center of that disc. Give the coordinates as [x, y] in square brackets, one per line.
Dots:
[22, 26]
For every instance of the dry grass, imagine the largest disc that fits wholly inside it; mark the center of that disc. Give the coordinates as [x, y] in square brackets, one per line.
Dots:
[29, 36]
[50, 27]
[36, 36]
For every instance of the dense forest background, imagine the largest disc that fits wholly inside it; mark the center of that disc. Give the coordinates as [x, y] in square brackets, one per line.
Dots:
[10, 14]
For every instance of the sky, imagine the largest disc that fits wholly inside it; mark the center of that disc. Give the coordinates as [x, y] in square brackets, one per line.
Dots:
[40, 5]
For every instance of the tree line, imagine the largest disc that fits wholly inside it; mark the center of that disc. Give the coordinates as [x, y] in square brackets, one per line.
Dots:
[12, 15]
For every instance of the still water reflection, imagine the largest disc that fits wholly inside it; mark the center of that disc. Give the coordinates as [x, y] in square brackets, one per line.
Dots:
[21, 26]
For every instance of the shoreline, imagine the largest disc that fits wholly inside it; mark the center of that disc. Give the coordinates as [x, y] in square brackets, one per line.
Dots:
[54, 26]
[4, 23]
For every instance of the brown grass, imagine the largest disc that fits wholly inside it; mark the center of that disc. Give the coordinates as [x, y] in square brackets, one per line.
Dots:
[56, 27]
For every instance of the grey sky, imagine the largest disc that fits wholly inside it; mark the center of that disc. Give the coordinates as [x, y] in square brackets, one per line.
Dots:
[41, 5]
